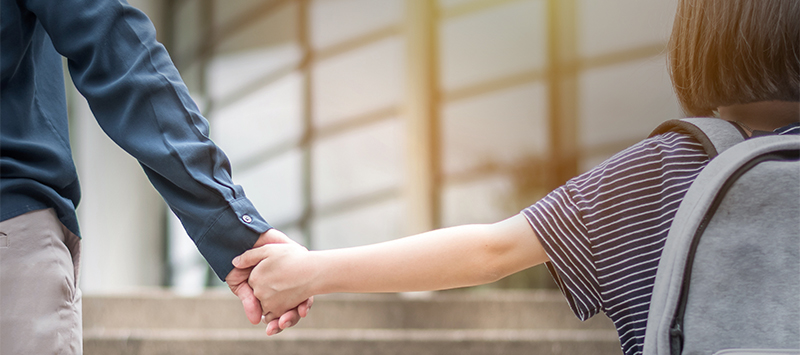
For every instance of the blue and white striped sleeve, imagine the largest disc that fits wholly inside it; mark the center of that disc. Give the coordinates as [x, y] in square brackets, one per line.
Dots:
[601, 225]
[556, 219]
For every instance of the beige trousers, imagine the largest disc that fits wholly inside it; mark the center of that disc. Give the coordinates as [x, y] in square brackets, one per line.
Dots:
[40, 303]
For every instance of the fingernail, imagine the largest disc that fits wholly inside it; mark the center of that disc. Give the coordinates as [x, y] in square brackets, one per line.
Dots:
[236, 261]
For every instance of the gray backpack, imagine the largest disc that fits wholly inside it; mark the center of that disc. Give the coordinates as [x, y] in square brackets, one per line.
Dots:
[728, 281]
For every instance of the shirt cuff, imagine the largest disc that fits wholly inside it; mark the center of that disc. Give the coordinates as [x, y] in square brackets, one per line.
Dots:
[234, 231]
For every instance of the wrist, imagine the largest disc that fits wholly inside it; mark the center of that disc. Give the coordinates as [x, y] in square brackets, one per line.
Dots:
[320, 277]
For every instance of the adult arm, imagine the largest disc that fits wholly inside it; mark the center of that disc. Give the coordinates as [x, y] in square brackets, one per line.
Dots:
[285, 275]
[138, 98]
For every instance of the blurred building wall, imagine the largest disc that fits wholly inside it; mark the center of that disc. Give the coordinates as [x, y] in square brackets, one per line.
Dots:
[346, 126]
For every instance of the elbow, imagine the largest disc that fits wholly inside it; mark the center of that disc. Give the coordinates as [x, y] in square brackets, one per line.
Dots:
[493, 270]
[504, 251]
[494, 262]
[490, 275]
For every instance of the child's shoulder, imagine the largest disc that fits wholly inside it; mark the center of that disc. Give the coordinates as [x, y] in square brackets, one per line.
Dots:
[656, 150]
[793, 128]
[648, 161]
[669, 140]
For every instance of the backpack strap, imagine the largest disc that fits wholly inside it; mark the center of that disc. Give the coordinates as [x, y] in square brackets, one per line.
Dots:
[715, 134]
[702, 198]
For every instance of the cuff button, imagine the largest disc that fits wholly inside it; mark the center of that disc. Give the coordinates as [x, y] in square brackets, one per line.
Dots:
[247, 219]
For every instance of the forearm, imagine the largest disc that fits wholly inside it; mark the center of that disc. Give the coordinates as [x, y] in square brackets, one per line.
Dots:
[138, 98]
[284, 275]
[441, 259]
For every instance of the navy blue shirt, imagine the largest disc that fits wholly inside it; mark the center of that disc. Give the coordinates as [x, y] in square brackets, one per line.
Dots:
[139, 100]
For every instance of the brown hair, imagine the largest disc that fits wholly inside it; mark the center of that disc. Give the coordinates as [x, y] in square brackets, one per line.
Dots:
[726, 52]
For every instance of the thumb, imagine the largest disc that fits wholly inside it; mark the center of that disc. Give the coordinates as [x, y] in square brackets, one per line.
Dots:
[237, 281]
[251, 304]
[250, 258]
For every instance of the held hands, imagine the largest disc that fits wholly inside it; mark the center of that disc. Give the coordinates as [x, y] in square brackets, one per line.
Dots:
[278, 278]
[239, 277]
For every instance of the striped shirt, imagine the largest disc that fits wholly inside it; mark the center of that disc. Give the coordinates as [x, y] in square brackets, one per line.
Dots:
[605, 229]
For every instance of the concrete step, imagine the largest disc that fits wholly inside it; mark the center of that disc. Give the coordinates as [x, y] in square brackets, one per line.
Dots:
[439, 310]
[351, 342]
[497, 322]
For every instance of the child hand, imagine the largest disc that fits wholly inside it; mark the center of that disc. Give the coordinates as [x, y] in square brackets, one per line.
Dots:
[280, 279]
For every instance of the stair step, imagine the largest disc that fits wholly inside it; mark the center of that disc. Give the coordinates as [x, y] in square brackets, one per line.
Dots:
[350, 341]
[441, 323]
[440, 310]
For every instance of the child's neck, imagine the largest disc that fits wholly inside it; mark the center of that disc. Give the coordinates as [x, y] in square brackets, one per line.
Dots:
[763, 115]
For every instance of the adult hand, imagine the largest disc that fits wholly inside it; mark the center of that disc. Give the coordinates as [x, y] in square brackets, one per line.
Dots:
[237, 281]
[280, 278]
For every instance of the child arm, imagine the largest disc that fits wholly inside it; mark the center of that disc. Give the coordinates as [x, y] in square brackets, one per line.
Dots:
[285, 274]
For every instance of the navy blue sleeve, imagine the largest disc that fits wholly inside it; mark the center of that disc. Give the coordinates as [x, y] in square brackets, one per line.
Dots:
[140, 101]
